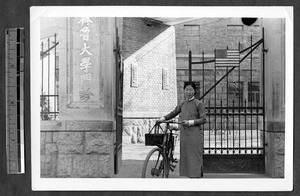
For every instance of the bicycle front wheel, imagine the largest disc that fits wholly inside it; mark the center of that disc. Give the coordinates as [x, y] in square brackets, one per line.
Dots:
[155, 165]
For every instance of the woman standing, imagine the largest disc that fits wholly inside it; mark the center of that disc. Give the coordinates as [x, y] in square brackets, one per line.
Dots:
[192, 113]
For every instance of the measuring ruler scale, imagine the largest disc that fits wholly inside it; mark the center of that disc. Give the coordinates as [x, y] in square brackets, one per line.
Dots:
[14, 75]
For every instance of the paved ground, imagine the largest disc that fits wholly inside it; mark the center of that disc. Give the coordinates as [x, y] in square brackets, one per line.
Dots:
[135, 154]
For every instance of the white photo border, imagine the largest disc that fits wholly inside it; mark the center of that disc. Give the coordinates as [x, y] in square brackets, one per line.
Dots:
[134, 184]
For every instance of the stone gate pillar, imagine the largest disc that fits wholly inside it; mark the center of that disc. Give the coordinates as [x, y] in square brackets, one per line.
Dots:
[274, 95]
[81, 143]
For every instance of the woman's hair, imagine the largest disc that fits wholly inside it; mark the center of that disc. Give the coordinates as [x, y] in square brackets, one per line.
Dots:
[190, 83]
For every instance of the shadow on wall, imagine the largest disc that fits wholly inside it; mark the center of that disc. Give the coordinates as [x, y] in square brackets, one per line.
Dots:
[134, 36]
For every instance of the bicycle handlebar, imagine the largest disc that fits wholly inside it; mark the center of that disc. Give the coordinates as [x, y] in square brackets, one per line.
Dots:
[171, 128]
[170, 121]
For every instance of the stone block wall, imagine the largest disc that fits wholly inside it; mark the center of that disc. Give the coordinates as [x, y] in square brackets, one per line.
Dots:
[275, 153]
[73, 154]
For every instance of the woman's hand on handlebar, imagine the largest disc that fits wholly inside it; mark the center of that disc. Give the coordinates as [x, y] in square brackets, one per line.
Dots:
[160, 120]
[185, 123]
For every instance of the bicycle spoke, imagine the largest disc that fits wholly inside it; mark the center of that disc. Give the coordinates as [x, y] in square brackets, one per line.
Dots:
[158, 162]
[154, 165]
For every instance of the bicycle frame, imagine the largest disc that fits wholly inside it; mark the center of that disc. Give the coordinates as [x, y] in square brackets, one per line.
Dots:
[168, 138]
[166, 151]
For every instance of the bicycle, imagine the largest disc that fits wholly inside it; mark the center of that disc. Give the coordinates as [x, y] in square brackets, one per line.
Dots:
[160, 160]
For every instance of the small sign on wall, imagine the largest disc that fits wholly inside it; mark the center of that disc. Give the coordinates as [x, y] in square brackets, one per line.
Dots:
[165, 79]
[134, 75]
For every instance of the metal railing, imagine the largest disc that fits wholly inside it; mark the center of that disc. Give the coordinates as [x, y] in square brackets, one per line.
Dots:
[49, 84]
[233, 130]
[234, 125]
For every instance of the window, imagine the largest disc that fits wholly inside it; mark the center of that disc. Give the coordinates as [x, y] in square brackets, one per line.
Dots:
[192, 38]
[165, 79]
[235, 94]
[253, 94]
[134, 75]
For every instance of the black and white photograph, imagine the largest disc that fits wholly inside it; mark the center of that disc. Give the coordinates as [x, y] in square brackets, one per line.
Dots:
[162, 98]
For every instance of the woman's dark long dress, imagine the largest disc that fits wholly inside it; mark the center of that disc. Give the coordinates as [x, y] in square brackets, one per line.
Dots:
[191, 138]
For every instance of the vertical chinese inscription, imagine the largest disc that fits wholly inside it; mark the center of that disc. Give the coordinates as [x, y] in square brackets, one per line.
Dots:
[85, 58]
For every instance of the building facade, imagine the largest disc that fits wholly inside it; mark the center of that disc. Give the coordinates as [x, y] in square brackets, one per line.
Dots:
[202, 37]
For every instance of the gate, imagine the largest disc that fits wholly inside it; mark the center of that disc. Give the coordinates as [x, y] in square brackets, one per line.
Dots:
[119, 104]
[233, 92]
[49, 84]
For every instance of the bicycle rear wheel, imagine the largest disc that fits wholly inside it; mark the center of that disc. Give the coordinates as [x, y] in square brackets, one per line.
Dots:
[155, 165]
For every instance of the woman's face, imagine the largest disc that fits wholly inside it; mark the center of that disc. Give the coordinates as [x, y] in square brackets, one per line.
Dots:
[189, 92]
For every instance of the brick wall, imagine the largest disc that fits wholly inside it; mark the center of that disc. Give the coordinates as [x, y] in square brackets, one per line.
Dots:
[150, 47]
[217, 33]
[151, 54]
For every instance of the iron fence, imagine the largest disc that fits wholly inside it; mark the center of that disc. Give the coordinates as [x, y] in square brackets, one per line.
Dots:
[235, 119]
[234, 130]
[49, 80]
